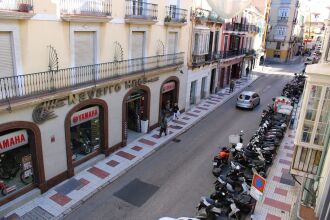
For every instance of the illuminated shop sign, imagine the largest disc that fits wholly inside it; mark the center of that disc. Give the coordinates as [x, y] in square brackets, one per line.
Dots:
[84, 115]
[168, 87]
[13, 140]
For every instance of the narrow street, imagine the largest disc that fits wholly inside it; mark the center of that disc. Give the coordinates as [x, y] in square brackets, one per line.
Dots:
[171, 181]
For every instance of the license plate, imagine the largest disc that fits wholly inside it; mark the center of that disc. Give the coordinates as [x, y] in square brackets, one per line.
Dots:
[215, 163]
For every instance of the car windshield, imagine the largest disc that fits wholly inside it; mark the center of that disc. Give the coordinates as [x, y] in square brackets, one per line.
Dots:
[245, 97]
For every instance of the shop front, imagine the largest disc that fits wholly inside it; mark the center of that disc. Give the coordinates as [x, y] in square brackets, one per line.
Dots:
[86, 130]
[21, 163]
[135, 114]
[168, 95]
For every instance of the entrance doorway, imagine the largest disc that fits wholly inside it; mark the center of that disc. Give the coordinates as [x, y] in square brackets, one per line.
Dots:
[235, 71]
[21, 160]
[228, 75]
[86, 131]
[222, 76]
[168, 97]
[136, 114]
[212, 81]
[193, 92]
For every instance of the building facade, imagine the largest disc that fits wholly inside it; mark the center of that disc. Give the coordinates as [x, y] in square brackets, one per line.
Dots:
[284, 35]
[220, 50]
[80, 79]
[312, 142]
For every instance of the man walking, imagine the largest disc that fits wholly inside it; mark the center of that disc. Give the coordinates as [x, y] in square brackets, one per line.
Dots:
[247, 70]
[163, 127]
[231, 86]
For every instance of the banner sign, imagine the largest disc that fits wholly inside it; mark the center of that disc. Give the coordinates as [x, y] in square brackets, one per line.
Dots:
[84, 115]
[168, 87]
[283, 105]
[257, 187]
[13, 140]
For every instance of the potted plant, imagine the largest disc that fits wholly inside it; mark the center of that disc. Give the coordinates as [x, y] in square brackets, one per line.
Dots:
[183, 20]
[168, 18]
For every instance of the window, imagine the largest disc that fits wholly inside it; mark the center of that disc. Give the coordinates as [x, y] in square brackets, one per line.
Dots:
[283, 12]
[201, 42]
[278, 45]
[6, 55]
[323, 122]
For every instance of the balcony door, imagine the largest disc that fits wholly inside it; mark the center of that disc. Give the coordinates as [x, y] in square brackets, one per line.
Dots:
[137, 7]
[84, 55]
[138, 50]
[6, 55]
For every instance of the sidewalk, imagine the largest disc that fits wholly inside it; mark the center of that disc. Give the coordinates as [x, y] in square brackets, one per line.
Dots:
[63, 198]
[281, 190]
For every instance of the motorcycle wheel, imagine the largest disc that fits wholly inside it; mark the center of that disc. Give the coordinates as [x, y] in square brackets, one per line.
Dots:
[26, 180]
[4, 192]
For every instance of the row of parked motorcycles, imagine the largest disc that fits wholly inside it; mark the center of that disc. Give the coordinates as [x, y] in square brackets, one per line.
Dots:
[235, 166]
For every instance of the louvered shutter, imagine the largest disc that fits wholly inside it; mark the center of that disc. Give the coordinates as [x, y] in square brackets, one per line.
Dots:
[6, 55]
[172, 42]
[84, 46]
[137, 44]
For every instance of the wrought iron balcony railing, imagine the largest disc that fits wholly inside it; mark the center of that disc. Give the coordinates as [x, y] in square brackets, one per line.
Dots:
[236, 27]
[206, 15]
[174, 14]
[50, 82]
[282, 19]
[16, 5]
[141, 10]
[86, 7]
[202, 59]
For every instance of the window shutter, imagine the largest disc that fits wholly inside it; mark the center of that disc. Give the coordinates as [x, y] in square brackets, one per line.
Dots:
[172, 42]
[6, 55]
[84, 45]
[137, 44]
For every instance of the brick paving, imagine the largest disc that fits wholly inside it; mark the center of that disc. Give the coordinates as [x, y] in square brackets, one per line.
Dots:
[61, 199]
[281, 191]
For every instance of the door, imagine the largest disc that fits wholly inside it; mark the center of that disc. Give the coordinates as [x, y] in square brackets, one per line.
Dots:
[84, 48]
[203, 88]
[137, 50]
[210, 45]
[212, 81]
[193, 92]
[216, 42]
[6, 55]
[172, 42]
[222, 76]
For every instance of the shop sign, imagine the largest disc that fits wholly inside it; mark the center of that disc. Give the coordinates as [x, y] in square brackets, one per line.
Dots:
[168, 87]
[13, 140]
[46, 110]
[84, 115]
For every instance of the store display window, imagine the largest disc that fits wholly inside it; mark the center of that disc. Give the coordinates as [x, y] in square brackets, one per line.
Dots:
[85, 132]
[16, 167]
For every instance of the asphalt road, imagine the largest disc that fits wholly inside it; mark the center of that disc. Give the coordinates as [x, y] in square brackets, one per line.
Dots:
[171, 181]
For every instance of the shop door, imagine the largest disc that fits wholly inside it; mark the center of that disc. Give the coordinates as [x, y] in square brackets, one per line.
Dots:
[193, 93]
[135, 110]
[212, 81]
[203, 92]
[228, 74]
[222, 76]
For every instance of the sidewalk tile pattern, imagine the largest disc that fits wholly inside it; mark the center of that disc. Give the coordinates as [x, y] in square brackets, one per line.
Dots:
[61, 199]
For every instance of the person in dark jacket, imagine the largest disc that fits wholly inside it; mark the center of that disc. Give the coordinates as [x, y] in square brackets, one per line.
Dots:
[231, 86]
[163, 126]
[175, 111]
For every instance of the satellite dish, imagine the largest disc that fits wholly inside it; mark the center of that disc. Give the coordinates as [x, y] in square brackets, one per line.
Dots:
[228, 8]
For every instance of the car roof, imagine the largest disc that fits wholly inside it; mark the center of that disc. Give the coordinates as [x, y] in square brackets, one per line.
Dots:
[247, 93]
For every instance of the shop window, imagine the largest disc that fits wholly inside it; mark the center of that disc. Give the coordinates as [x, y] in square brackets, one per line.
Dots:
[85, 132]
[277, 53]
[16, 167]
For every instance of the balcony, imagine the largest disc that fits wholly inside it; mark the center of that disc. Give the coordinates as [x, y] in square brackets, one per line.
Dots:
[138, 12]
[35, 85]
[254, 29]
[175, 16]
[306, 161]
[198, 60]
[86, 10]
[16, 9]
[236, 27]
[282, 19]
[202, 15]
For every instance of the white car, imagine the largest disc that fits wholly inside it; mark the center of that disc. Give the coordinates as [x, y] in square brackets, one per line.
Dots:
[181, 218]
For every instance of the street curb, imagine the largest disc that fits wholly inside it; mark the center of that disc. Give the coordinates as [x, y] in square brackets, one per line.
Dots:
[91, 194]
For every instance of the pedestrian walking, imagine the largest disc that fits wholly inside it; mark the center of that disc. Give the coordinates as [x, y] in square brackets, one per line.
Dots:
[231, 86]
[247, 71]
[163, 127]
[175, 111]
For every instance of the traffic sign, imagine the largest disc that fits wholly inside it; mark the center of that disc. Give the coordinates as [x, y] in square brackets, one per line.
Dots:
[257, 187]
